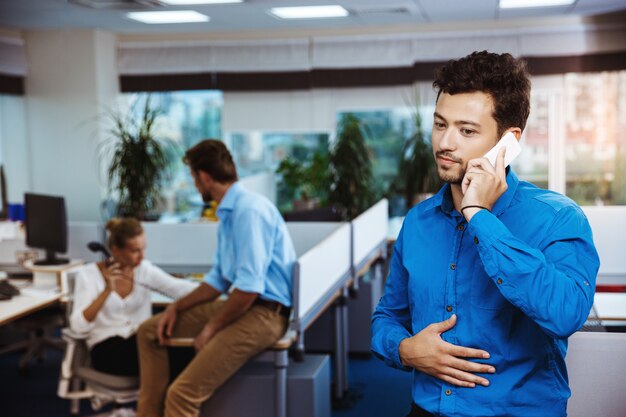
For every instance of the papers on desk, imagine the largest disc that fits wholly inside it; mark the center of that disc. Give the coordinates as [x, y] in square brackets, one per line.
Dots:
[41, 291]
[8, 230]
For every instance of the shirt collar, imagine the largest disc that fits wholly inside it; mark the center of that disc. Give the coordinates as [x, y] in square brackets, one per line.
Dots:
[443, 198]
[230, 198]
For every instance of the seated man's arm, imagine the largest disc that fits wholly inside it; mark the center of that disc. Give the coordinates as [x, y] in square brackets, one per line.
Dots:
[237, 304]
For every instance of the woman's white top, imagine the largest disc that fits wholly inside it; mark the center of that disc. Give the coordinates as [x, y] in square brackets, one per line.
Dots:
[121, 316]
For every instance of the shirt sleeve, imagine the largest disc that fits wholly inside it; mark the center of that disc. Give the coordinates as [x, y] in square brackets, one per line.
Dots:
[391, 321]
[85, 291]
[254, 244]
[214, 277]
[162, 282]
[553, 283]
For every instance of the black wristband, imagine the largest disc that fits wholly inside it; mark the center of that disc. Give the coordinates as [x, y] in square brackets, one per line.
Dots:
[466, 207]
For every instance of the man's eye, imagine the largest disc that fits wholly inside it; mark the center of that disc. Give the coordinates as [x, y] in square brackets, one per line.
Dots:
[468, 132]
[439, 125]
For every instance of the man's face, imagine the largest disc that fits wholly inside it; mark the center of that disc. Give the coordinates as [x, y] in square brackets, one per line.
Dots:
[202, 185]
[463, 129]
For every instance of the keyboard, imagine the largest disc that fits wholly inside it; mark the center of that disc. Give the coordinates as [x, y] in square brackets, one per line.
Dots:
[7, 289]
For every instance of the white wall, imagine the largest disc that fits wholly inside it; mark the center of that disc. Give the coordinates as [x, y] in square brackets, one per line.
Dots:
[71, 80]
[312, 110]
[14, 150]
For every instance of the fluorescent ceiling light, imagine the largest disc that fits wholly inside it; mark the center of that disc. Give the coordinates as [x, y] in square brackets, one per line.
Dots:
[309, 12]
[519, 4]
[188, 2]
[178, 16]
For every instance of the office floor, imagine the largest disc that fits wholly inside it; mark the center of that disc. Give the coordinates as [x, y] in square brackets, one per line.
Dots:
[376, 390]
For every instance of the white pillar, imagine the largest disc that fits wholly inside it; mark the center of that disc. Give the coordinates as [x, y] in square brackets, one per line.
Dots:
[72, 79]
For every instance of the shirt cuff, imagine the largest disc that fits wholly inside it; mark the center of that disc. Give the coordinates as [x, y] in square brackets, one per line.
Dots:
[249, 284]
[79, 323]
[215, 282]
[394, 339]
[486, 228]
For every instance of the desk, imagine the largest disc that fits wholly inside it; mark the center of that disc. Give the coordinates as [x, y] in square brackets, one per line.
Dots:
[52, 275]
[610, 306]
[30, 300]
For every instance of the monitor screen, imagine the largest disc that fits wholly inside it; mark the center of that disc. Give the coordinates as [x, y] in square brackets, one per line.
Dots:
[46, 226]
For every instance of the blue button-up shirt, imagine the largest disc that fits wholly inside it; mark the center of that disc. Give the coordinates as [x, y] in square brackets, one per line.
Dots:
[520, 279]
[254, 249]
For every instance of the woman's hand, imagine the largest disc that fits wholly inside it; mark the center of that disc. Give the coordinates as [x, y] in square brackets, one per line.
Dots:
[116, 276]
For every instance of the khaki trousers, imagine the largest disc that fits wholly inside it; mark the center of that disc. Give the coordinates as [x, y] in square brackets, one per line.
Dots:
[255, 331]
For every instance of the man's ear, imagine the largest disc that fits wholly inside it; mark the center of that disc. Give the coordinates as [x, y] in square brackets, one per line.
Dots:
[517, 132]
[205, 177]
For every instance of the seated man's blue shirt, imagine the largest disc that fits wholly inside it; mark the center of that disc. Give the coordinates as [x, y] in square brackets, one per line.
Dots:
[254, 249]
[520, 279]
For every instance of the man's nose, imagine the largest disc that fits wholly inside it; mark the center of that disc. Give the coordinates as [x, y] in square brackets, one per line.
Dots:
[447, 140]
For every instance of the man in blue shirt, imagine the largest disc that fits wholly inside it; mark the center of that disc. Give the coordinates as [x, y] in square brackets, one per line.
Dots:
[253, 264]
[491, 275]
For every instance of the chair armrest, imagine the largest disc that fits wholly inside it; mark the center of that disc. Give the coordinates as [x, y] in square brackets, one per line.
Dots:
[68, 334]
[286, 341]
[283, 343]
[179, 341]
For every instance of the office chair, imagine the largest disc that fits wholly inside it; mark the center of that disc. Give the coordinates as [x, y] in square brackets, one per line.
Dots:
[78, 380]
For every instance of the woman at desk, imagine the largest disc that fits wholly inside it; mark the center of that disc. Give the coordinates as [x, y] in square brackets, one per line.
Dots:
[112, 298]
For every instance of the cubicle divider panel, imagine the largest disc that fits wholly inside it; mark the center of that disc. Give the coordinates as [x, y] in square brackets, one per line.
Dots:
[595, 366]
[306, 235]
[605, 221]
[369, 231]
[263, 183]
[322, 271]
[183, 247]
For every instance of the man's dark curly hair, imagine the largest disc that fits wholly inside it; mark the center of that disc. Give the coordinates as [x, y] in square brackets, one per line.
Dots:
[503, 77]
[212, 157]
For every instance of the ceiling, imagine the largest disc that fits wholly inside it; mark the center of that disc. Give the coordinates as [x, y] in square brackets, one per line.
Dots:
[252, 16]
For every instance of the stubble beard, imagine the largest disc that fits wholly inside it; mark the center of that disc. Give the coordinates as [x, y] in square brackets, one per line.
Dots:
[452, 178]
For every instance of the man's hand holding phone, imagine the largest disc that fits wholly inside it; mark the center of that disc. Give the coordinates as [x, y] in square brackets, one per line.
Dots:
[484, 183]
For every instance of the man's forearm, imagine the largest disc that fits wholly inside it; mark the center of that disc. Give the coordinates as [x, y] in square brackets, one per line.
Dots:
[201, 294]
[237, 304]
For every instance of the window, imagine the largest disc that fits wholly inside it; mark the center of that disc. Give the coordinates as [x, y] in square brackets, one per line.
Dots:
[595, 145]
[258, 151]
[532, 164]
[187, 117]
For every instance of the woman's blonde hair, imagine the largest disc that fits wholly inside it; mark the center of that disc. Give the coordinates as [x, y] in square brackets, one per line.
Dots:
[120, 230]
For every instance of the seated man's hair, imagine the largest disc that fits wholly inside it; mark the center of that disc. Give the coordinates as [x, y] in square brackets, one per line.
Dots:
[212, 157]
[503, 77]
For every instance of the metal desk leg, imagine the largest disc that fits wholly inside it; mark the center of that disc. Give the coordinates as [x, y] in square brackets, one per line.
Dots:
[281, 361]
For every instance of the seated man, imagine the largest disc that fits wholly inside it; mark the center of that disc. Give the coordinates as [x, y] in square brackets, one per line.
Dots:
[253, 264]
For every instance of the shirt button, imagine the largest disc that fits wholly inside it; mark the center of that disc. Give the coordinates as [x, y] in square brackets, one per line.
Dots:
[476, 240]
[448, 392]
[453, 266]
[449, 309]
[499, 281]
[460, 228]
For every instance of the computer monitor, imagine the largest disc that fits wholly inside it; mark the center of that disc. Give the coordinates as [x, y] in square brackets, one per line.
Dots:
[46, 226]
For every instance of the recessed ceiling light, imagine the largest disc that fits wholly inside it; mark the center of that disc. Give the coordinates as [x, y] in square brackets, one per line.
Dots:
[177, 16]
[309, 12]
[188, 2]
[519, 4]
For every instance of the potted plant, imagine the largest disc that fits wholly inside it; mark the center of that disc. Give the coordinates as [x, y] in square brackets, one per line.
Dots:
[417, 173]
[352, 185]
[138, 160]
[305, 185]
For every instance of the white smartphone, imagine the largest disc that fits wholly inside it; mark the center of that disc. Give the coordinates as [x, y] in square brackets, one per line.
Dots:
[513, 149]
